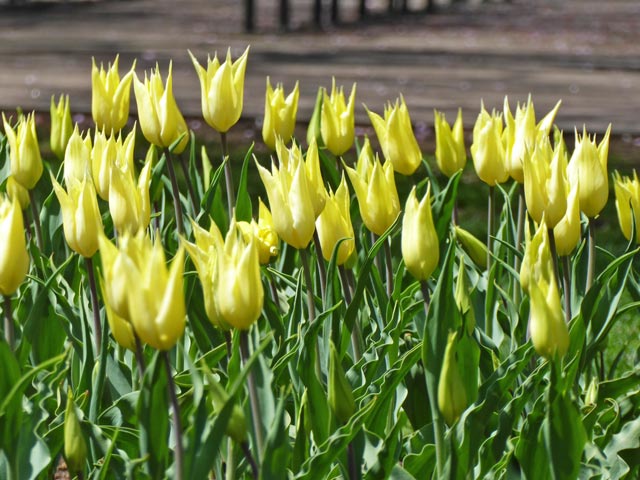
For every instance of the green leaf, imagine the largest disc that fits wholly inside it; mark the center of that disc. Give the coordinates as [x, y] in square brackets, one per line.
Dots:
[243, 200]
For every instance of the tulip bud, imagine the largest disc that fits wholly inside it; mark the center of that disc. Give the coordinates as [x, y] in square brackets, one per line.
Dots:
[17, 191]
[24, 151]
[375, 188]
[549, 332]
[487, 149]
[476, 249]
[591, 395]
[14, 258]
[567, 232]
[338, 122]
[450, 152]
[240, 294]
[279, 114]
[334, 224]
[340, 393]
[452, 396]
[222, 88]
[110, 96]
[463, 302]
[109, 152]
[129, 204]
[77, 157]
[75, 446]
[266, 235]
[420, 246]
[627, 203]
[237, 425]
[160, 119]
[80, 215]
[588, 168]
[121, 328]
[61, 125]
[314, 130]
[396, 137]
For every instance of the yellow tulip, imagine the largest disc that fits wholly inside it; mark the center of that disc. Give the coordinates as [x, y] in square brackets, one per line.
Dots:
[487, 149]
[627, 203]
[110, 96]
[337, 124]
[110, 152]
[129, 203]
[452, 396]
[240, 294]
[375, 188]
[279, 114]
[291, 199]
[77, 157]
[588, 168]
[334, 224]
[396, 137]
[17, 191]
[61, 125]
[222, 89]
[450, 151]
[420, 246]
[266, 235]
[75, 445]
[545, 183]
[160, 119]
[121, 328]
[155, 295]
[14, 258]
[80, 215]
[24, 151]
[567, 232]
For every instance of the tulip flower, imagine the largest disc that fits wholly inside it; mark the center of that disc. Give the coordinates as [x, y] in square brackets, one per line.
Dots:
[222, 88]
[545, 183]
[264, 233]
[17, 191]
[567, 232]
[279, 114]
[110, 96]
[452, 396]
[14, 258]
[396, 137]
[420, 248]
[80, 215]
[292, 200]
[129, 203]
[627, 203]
[337, 124]
[334, 224]
[121, 329]
[375, 189]
[205, 253]
[77, 157]
[75, 445]
[24, 151]
[487, 149]
[160, 119]
[450, 151]
[588, 168]
[61, 125]
[110, 152]
[239, 292]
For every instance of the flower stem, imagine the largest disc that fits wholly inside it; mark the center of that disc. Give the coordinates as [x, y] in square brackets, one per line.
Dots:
[554, 255]
[142, 366]
[252, 461]
[36, 220]
[228, 174]
[309, 284]
[592, 254]
[230, 467]
[389, 266]
[351, 459]
[177, 423]
[356, 335]
[9, 333]
[192, 192]
[454, 213]
[176, 194]
[254, 400]
[566, 279]
[519, 233]
[491, 214]
[97, 328]
[425, 296]
[321, 269]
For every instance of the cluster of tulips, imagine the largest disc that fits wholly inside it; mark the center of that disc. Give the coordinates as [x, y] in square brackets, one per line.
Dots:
[143, 295]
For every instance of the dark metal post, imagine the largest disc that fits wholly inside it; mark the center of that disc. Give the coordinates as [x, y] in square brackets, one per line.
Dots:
[335, 12]
[284, 14]
[248, 15]
[317, 12]
[362, 9]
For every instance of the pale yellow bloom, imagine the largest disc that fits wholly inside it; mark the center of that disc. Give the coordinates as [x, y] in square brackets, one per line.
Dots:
[337, 124]
[14, 258]
[487, 149]
[61, 125]
[450, 151]
[334, 224]
[279, 114]
[110, 96]
[24, 150]
[420, 246]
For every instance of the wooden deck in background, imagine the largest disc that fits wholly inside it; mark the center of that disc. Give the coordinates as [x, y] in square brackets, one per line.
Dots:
[585, 52]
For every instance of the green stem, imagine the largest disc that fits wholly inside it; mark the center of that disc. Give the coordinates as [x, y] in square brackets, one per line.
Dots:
[519, 233]
[36, 220]
[356, 335]
[351, 459]
[592, 254]
[309, 284]
[228, 174]
[425, 296]
[230, 467]
[454, 213]
[192, 193]
[566, 280]
[554, 255]
[177, 423]
[254, 400]
[321, 269]
[491, 214]
[389, 267]
[142, 366]
[9, 333]
[252, 462]
[176, 194]
[97, 327]
[228, 343]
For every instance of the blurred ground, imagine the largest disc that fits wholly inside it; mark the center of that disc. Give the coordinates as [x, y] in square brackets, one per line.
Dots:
[585, 52]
